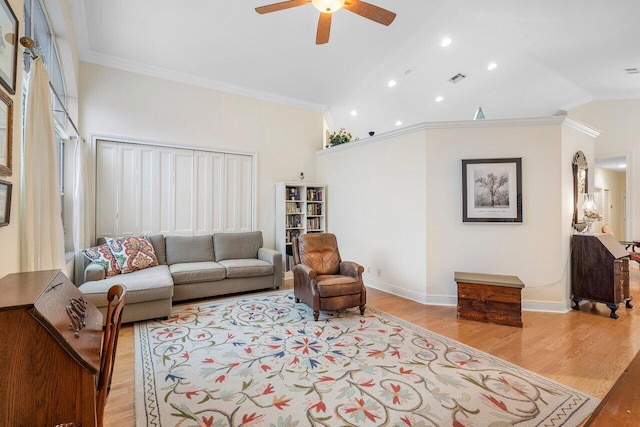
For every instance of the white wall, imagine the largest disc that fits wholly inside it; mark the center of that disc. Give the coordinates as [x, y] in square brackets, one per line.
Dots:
[117, 103]
[619, 124]
[396, 204]
[376, 206]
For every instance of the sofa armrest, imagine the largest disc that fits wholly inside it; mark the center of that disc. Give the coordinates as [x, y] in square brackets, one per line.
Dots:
[275, 258]
[94, 271]
[349, 268]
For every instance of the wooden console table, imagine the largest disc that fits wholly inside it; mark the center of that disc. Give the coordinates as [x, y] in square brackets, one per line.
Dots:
[50, 359]
[491, 298]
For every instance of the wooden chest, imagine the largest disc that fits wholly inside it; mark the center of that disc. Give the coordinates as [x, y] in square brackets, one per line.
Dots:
[489, 298]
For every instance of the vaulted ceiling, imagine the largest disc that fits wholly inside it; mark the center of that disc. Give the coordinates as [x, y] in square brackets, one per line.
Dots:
[550, 54]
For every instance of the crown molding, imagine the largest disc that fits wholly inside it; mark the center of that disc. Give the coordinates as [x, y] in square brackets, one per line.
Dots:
[185, 78]
[581, 127]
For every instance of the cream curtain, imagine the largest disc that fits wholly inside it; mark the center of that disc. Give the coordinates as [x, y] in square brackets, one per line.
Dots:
[81, 232]
[42, 245]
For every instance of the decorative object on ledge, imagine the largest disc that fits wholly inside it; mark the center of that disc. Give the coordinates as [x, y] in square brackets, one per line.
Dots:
[492, 190]
[479, 115]
[5, 202]
[9, 51]
[340, 137]
[371, 133]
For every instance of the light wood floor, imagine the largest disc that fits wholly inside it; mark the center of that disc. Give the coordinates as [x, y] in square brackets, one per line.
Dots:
[582, 349]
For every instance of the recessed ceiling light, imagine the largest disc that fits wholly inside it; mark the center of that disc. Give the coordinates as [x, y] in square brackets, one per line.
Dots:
[392, 83]
[354, 113]
[446, 41]
[439, 98]
[398, 123]
[492, 66]
[622, 166]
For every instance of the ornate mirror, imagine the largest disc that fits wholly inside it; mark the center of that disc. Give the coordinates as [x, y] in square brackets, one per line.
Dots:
[580, 188]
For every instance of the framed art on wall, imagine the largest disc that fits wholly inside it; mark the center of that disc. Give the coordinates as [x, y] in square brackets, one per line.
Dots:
[492, 190]
[6, 133]
[8, 47]
[5, 202]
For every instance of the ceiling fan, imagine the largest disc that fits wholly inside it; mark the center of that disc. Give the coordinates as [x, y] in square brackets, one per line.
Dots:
[328, 7]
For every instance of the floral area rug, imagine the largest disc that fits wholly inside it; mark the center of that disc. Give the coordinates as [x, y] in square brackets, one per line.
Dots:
[262, 360]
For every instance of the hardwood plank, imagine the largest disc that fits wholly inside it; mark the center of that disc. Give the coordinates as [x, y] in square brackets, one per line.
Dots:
[583, 349]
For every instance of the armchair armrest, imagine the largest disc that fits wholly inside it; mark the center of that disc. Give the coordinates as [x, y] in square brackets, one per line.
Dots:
[275, 258]
[349, 268]
[305, 270]
[94, 271]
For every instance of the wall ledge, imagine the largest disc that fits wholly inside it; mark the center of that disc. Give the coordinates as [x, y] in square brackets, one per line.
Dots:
[463, 124]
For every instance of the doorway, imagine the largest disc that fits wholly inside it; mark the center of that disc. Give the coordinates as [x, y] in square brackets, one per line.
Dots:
[611, 187]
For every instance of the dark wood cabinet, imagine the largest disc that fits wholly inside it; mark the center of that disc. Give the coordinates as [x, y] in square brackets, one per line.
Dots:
[599, 271]
[50, 351]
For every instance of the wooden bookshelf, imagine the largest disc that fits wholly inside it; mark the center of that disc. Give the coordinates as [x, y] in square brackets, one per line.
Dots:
[300, 208]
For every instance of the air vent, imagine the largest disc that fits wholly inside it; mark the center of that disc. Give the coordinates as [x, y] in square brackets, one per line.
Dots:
[632, 71]
[458, 77]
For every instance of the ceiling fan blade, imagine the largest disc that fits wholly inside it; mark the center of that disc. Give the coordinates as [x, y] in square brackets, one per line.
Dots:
[324, 28]
[370, 11]
[281, 6]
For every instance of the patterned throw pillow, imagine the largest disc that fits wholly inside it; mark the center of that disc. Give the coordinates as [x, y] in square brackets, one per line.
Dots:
[133, 253]
[103, 256]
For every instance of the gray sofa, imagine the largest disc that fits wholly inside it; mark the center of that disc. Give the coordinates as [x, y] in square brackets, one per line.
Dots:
[189, 267]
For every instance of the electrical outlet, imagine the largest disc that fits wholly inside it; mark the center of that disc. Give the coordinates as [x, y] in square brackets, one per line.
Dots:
[379, 272]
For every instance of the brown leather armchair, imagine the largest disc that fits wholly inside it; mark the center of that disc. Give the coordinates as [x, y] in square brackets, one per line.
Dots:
[321, 279]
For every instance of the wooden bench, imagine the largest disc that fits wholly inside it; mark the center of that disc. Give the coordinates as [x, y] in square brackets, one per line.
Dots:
[491, 298]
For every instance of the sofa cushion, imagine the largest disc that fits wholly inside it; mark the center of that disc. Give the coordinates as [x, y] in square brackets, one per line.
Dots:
[195, 272]
[150, 284]
[102, 256]
[189, 249]
[157, 241]
[237, 268]
[237, 245]
[133, 253]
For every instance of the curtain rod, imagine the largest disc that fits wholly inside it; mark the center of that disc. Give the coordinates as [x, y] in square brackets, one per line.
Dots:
[29, 44]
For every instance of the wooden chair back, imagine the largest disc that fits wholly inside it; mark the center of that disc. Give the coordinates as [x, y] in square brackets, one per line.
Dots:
[116, 297]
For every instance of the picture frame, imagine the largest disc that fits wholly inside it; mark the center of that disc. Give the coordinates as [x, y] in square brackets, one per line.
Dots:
[6, 134]
[5, 203]
[9, 54]
[492, 190]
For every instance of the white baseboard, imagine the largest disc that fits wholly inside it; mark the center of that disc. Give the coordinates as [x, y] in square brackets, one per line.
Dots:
[452, 300]
[396, 290]
[546, 306]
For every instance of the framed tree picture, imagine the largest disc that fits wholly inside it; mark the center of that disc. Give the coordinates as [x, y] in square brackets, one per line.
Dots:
[492, 190]
[8, 46]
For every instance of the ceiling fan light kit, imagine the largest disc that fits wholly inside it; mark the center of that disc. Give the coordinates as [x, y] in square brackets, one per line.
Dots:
[327, 7]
